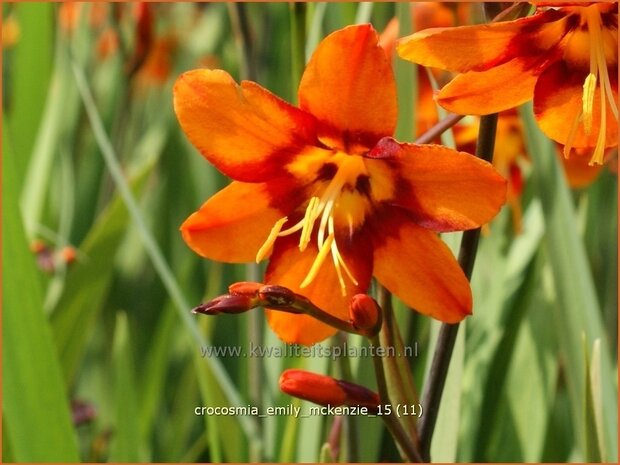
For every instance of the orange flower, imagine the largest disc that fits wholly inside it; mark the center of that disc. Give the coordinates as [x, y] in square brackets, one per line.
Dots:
[327, 193]
[579, 174]
[565, 58]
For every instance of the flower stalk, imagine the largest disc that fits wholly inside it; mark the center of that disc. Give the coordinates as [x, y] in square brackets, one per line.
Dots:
[404, 441]
[397, 372]
[245, 296]
[447, 334]
[298, 41]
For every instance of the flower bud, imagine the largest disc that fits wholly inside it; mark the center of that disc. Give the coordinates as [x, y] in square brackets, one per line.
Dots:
[68, 254]
[226, 304]
[364, 312]
[247, 288]
[320, 389]
[325, 390]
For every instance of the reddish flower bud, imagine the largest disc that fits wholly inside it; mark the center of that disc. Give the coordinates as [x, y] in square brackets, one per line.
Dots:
[364, 312]
[68, 254]
[325, 390]
[246, 288]
[320, 389]
[38, 246]
[226, 304]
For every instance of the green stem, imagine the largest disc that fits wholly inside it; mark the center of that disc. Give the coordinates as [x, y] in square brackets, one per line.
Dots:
[431, 398]
[398, 373]
[243, 39]
[406, 80]
[298, 43]
[255, 367]
[397, 431]
[304, 305]
[153, 251]
[350, 421]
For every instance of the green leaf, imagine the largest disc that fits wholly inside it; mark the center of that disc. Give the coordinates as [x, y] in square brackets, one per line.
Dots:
[406, 80]
[503, 284]
[29, 77]
[60, 102]
[592, 403]
[578, 310]
[34, 403]
[445, 439]
[227, 444]
[125, 445]
[530, 382]
[88, 280]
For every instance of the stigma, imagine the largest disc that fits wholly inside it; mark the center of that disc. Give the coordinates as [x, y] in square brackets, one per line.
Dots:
[324, 213]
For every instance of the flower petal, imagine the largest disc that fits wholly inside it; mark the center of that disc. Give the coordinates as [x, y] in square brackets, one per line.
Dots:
[419, 268]
[233, 224]
[445, 190]
[480, 47]
[245, 131]
[288, 267]
[579, 174]
[480, 93]
[558, 101]
[349, 87]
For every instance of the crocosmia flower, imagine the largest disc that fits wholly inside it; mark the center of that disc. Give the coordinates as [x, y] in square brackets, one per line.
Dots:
[326, 193]
[565, 57]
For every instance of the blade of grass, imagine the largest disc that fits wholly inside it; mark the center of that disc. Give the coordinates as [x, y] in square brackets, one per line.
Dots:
[89, 279]
[527, 400]
[125, 444]
[47, 139]
[34, 404]
[592, 404]
[364, 12]
[445, 440]
[154, 253]
[315, 31]
[32, 67]
[578, 309]
[406, 79]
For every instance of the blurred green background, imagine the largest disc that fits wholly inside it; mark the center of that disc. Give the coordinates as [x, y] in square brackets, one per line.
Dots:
[101, 356]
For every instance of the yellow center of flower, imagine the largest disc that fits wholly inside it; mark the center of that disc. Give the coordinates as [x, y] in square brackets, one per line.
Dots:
[336, 203]
[598, 76]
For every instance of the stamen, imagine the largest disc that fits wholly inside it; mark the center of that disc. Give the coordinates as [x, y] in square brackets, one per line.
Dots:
[343, 287]
[268, 244]
[589, 86]
[338, 257]
[597, 156]
[318, 261]
[312, 213]
[348, 170]
[326, 215]
[350, 223]
[598, 66]
[571, 135]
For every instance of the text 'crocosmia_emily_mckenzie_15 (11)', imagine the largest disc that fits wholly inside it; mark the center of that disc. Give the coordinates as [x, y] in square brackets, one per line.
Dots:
[326, 193]
[565, 56]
